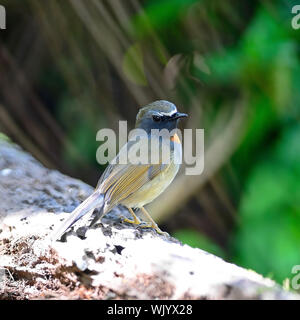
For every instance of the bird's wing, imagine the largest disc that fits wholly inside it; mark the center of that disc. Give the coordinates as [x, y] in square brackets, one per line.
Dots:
[114, 169]
[123, 182]
[120, 180]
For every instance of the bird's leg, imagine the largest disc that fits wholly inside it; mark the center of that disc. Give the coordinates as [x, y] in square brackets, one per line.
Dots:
[135, 220]
[152, 223]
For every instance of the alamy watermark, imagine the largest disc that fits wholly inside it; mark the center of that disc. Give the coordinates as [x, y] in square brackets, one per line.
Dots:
[295, 280]
[296, 19]
[160, 147]
[2, 17]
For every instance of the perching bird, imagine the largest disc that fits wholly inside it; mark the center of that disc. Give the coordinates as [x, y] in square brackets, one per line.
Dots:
[135, 185]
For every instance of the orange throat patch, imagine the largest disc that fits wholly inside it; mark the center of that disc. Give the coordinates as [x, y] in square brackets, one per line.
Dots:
[175, 138]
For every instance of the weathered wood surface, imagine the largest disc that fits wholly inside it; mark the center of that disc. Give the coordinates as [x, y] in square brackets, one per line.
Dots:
[115, 260]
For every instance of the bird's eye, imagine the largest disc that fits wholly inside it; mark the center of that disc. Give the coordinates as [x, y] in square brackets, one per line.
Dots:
[156, 118]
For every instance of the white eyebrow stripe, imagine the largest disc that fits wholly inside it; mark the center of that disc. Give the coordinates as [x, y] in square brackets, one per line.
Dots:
[168, 113]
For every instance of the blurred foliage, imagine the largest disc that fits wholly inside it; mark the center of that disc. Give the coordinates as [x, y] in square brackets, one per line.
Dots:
[77, 66]
[4, 137]
[197, 240]
[269, 232]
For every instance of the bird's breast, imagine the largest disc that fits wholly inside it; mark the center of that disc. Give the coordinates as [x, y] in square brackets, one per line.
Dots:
[152, 189]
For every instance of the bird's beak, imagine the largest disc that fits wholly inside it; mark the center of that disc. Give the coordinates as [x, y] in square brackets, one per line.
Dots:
[179, 115]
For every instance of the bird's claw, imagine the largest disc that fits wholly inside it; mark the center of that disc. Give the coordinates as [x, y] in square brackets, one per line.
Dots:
[134, 221]
[155, 227]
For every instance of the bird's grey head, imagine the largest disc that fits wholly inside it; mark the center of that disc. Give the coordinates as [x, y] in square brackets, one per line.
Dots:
[159, 114]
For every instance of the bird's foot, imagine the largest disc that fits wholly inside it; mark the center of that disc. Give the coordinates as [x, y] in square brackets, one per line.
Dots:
[155, 227]
[134, 221]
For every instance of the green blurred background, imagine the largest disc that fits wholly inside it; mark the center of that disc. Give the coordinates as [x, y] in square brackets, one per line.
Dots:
[69, 68]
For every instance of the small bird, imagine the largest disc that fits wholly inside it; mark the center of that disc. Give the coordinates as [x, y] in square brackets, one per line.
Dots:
[135, 185]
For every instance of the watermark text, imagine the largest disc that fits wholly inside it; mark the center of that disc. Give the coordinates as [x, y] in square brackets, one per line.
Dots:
[2, 17]
[158, 147]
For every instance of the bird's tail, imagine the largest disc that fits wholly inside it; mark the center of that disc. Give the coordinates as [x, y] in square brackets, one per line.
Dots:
[93, 201]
